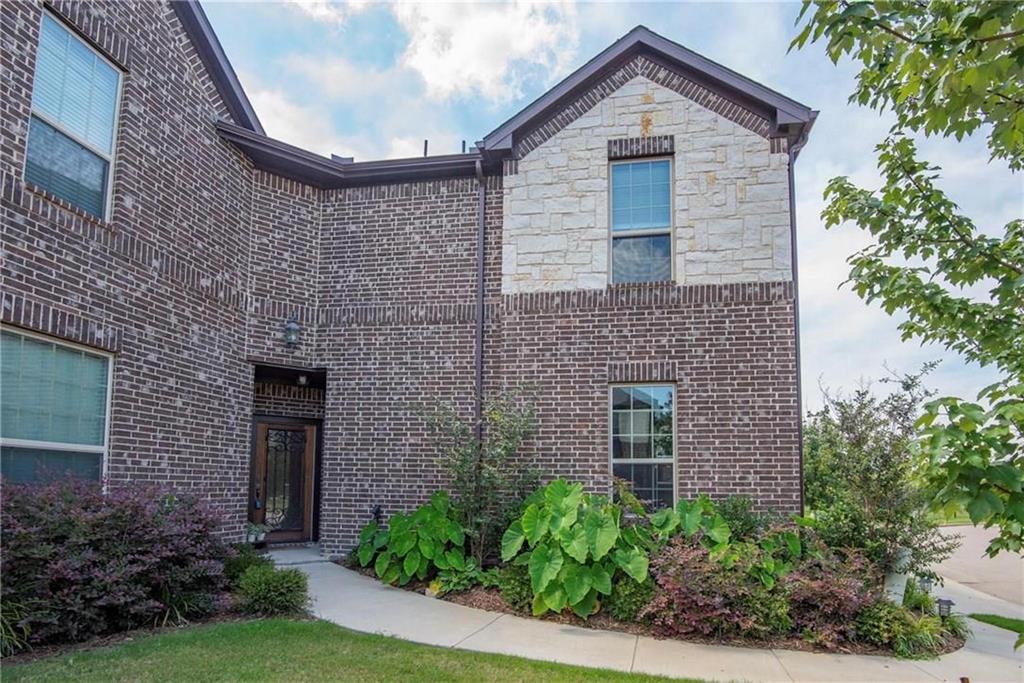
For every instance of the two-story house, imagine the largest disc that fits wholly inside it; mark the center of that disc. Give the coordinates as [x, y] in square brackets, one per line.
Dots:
[188, 301]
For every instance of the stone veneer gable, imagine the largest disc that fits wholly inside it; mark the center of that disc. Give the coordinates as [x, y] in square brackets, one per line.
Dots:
[731, 192]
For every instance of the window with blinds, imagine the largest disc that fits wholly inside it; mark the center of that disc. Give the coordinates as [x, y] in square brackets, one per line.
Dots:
[53, 409]
[641, 220]
[74, 115]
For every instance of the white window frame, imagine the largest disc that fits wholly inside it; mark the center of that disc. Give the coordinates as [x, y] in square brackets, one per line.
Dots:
[652, 232]
[104, 449]
[109, 157]
[674, 460]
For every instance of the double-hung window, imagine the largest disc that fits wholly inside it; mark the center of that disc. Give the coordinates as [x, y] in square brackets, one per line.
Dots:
[641, 220]
[54, 401]
[73, 125]
[643, 441]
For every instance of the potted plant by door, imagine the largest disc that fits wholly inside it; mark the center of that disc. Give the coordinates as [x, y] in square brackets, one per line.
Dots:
[256, 534]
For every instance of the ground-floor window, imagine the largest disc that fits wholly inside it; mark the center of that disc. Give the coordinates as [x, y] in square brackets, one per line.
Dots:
[642, 440]
[54, 399]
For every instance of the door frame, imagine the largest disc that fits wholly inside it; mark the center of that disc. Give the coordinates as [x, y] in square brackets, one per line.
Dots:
[318, 423]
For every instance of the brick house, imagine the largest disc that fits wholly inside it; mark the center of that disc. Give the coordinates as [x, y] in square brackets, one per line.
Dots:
[188, 301]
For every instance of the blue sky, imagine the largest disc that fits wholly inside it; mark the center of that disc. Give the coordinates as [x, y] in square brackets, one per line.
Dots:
[373, 80]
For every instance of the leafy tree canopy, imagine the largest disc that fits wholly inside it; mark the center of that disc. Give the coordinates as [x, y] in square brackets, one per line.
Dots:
[947, 68]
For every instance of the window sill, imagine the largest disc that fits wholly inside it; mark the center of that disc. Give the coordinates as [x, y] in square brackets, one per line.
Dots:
[64, 205]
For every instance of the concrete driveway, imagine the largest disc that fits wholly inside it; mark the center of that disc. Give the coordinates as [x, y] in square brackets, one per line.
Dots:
[1001, 576]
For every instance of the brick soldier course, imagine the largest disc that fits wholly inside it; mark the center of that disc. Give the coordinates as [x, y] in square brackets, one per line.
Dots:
[218, 235]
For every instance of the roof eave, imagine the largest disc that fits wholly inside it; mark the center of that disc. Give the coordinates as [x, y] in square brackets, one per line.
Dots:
[780, 109]
[298, 164]
[193, 19]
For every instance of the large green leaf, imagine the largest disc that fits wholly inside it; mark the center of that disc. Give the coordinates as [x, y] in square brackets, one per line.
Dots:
[455, 533]
[512, 541]
[717, 529]
[366, 552]
[602, 532]
[367, 532]
[576, 581]
[535, 523]
[538, 606]
[689, 516]
[456, 559]
[392, 574]
[633, 562]
[545, 563]
[381, 565]
[574, 543]
[601, 578]
[555, 598]
[403, 543]
[427, 547]
[585, 607]
[411, 563]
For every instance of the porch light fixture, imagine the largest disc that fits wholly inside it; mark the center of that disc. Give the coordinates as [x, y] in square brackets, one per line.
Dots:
[945, 607]
[292, 330]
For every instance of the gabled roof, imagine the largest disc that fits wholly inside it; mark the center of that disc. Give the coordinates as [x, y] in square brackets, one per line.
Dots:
[788, 117]
[199, 31]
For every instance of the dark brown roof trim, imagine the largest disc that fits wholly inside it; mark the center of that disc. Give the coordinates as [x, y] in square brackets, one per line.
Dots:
[199, 31]
[789, 118]
[296, 163]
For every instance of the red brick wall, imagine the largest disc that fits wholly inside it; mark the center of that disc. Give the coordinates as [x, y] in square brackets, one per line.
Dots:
[203, 259]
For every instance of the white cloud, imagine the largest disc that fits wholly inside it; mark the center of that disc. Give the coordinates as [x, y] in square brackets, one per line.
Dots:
[330, 11]
[487, 49]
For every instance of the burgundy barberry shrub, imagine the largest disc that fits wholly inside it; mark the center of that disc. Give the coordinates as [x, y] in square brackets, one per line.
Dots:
[80, 563]
[827, 590]
[699, 595]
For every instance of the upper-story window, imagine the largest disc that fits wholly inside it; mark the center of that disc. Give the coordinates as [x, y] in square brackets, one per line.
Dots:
[641, 218]
[74, 120]
[54, 410]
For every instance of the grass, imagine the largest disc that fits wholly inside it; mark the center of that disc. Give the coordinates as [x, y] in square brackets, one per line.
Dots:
[1008, 623]
[284, 650]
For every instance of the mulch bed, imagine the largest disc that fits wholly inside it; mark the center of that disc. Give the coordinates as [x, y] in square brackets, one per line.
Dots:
[490, 599]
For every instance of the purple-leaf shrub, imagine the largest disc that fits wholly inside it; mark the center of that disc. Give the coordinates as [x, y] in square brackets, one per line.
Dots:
[80, 563]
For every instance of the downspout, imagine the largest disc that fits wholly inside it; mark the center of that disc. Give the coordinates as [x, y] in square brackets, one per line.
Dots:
[481, 196]
[793, 150]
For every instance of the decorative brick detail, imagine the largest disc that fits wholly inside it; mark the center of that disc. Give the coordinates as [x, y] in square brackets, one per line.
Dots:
[41, 317]
[642, 371]
[656, 72]
[283, 400]
[646, 296]
[87, 20]
[630, 148]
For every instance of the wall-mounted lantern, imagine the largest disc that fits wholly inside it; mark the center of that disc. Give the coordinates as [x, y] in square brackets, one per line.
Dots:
[292, 331]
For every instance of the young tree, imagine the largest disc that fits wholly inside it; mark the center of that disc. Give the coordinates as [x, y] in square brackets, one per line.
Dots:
[489, 478]
[945, 68]
[862, 467]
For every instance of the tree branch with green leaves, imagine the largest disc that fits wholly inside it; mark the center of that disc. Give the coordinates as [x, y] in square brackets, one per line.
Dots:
[949, 69]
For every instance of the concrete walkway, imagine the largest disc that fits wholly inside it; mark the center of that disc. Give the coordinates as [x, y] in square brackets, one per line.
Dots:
[1001, 576]
[360, 603]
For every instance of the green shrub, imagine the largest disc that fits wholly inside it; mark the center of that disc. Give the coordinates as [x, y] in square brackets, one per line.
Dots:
[454, 580]
[629, 597]
[574, 544]
[245, 556]
[743, 520]
[908, 635]
[266, 591]
[514, 584]
[415, 545]
[918, 599]
[956, 626]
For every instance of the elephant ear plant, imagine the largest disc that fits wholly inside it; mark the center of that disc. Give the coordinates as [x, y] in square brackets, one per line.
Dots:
[414, 545]
[574, 545]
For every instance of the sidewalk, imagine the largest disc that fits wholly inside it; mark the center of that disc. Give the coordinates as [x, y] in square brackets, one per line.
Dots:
[360, 603]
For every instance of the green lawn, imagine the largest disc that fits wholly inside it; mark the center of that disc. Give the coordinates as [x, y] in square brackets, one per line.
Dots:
[283, 650]
[1009, 623]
